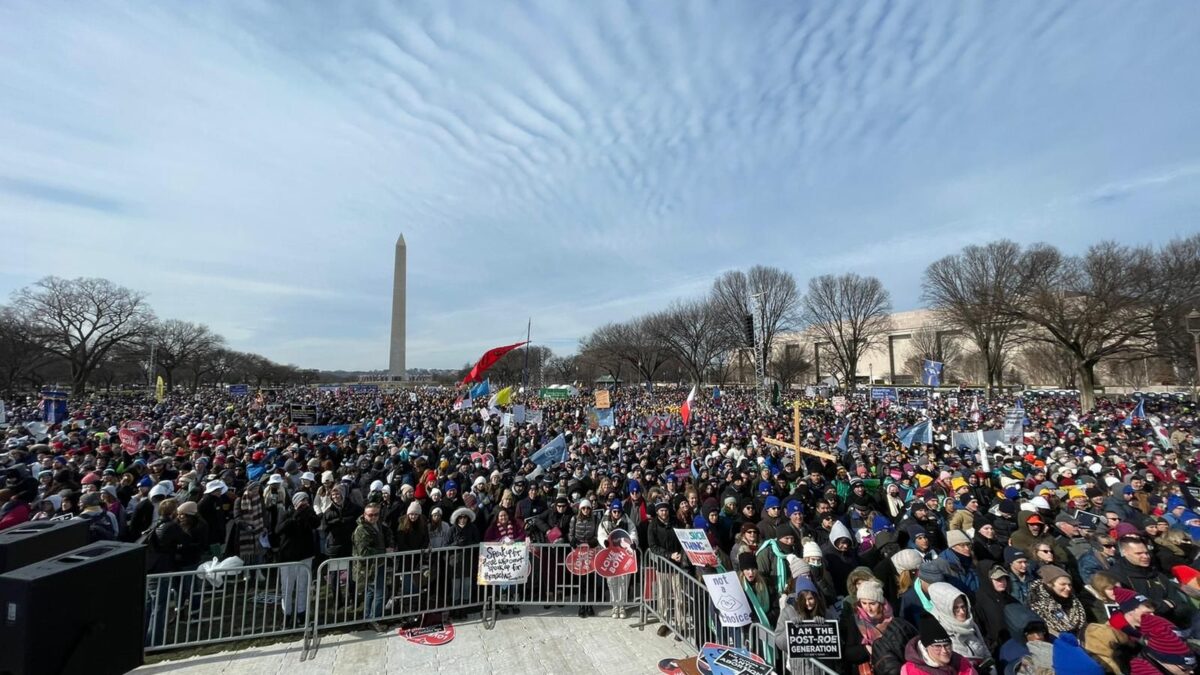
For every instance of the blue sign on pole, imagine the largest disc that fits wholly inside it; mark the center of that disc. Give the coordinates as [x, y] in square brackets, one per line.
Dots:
[239, 389]
[54, 406]
[884, 393]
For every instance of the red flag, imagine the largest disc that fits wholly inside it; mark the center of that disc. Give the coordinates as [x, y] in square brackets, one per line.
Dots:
[686, 408]
[489, 359]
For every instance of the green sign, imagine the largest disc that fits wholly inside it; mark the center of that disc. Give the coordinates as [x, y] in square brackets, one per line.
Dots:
[551, 392]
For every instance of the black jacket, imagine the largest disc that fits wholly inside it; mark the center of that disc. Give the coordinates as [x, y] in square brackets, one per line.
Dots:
[887, 654]
[297, 535]
[339, 523]
[661, 540]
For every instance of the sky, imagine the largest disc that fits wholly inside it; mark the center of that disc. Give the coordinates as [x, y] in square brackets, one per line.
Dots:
[250, 165]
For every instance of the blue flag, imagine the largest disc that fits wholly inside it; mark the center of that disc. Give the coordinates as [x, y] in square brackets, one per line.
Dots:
[554, 452]
[1138, 412]
[716, 394]
[482, 389]
[844, 439]
[921, 432]
[931, 373]
[605, 419]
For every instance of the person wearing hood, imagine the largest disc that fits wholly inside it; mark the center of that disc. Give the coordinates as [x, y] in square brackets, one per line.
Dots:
[916, 600]
[841, 556]
[932, 652]
[952, 610]
[464, 536]
[885, 541]
[958, 556]
[1027, 651]
[990, 601]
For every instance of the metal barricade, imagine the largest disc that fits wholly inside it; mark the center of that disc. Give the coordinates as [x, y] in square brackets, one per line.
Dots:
[764, 642]
[186, 609]
[390, 587]
[678, 600]
[552, 584]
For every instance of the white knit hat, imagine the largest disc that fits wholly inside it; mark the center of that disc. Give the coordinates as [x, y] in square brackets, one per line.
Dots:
[812, 550]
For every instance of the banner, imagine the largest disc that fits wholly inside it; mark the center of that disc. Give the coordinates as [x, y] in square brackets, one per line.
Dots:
[931, 373]
[133, 436]
[606, 418]
[324, 429]
[160, 389]
[728, 598]
[658, 425]
[242, 389]
[362, 388]
[503, 564]
[603, 400]
[554, 452]
[975, 439]
[54, 407]
[917, 404]
[1014, 424]
[3, 414]
[695, 545]
[884, 394]
[839, 404]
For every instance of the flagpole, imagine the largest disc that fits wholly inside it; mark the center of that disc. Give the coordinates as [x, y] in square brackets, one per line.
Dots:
[525, 370]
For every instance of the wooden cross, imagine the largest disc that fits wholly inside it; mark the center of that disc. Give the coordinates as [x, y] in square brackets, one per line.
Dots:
[795, 446]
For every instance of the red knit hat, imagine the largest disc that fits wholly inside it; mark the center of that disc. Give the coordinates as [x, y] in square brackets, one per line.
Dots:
[1163, 644]
[1184, 574]
[1127, 599]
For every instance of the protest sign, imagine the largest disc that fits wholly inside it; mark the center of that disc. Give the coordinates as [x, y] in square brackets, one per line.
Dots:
[581, 561]
[54, 406]
[724, 660]
[503, 564]
[839, 404]
[615, 562]
[813, 640]
[518, 413]
[431, 636]
[728, 598]
[603, 399]
[533, 417]
[658, 425]
[695, 544]
[884, 394]
[1014, 424]
[303, 414]
[606, 419]
[239, 390]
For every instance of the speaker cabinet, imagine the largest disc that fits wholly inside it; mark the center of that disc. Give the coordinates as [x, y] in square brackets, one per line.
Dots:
[39, 540]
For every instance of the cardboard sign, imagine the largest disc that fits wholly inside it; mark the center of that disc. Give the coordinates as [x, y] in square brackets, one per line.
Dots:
[533, 417]
[839, 404]
[729, 599]
[603, 399]
[613, 561]
[581, 561]
[813, 640]
[695, 544]
[503, 564]
[431, 636]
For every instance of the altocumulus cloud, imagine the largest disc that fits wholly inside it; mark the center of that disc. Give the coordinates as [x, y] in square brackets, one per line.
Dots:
[250, 165]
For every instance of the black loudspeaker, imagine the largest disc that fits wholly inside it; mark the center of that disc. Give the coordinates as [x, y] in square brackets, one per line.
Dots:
[39, 540]
[78, 612]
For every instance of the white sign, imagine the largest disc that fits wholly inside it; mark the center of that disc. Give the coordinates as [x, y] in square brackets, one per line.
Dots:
[695, 544]
[506, 420]
[839, 404]
[518, 414]
[3, 414]
[729, 599]
[503, 564]
[533, 417]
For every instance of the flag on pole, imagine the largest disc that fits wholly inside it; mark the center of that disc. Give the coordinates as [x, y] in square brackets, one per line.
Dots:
[843, 443]
[502, 397]
[1138, 412]
[1160, 432]
[160, 390]
[554, 452]
[463, 402]
[921, 432]
[931, 373]
[717, 395]
[489, 359]
[686, 409]
[482, 389]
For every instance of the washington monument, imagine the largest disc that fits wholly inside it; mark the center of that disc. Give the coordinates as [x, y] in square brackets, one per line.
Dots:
[399, 282]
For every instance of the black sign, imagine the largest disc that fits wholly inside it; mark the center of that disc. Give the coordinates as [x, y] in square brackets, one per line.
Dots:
[813, 640]
[303, 414]
[741, 665]
[1088, 520]
[1194, 492]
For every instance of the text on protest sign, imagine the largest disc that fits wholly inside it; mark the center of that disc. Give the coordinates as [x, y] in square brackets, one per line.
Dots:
[813, 640]
[503, 564]
[695, 544]
[728, 598]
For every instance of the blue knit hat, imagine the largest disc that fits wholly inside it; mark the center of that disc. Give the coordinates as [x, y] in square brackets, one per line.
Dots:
[763, 486]
[1069, 657]
[634, 486]
[771, 503]
[616, 505]
[793, 506]
[451, 485]
[881, 524]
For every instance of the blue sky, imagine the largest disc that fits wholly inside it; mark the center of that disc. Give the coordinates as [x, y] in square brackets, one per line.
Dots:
[249, 165]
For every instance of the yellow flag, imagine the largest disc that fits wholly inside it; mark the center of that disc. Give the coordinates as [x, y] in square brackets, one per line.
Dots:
[160, 390]
[504, 396]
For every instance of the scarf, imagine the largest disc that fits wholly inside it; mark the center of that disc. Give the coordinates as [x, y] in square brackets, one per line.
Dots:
[782, 571]
[1061, 616]
[964, 635]
[872, 631]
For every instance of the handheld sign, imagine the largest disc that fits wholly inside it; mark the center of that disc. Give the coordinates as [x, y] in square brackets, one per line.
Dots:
[431, 636]
[503, 564]
[723, 660]
[728, 598]
[581, 561]
[813, 640]
[603, 399]
[1111, 609]
[615, 562]
[696, 546]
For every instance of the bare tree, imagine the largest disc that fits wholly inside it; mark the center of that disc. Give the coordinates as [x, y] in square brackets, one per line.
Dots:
[691, 331]
[634, 343]
[563, 368]
[788, 365]
[82, 319]
[1179, 267]
[1106, 303]
[929, 343]
[850, 314]
[969, 291]
[1046, 363]
[21, 352]
[180, 343]
[778, 304]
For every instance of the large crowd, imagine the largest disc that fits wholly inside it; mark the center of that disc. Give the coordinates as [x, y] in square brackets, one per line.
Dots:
[1072, 547]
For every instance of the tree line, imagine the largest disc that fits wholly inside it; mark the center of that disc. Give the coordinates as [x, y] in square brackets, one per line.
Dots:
[91, 331]
[1000, 308]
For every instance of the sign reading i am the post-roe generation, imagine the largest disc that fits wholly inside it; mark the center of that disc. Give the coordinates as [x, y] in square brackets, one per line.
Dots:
[813, 640]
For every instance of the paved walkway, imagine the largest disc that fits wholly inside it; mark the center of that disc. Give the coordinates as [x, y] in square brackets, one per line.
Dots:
[554, 641]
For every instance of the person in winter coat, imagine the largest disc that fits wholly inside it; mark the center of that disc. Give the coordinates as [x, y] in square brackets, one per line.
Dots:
[862, 624]
[411, 533]
[1101, 556]
[465, 536]
[1164, 652]
[953, 611]
[371, 538]
[250, 525]
[990, 601]
[772, 560]
[984, 546]
[613, 522]
[1027, 652]
[340, 521]
[958, 555]
[584, 530]
[1054, 601]
[841, 555]
[1016, 562]
[1032, 530]
[297, 544]
[1134, 568]
[1103, 639]
[932, 652]
[897, 574]
[661, 540]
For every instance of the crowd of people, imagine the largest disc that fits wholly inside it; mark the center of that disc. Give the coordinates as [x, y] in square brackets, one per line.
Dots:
[1072, 546]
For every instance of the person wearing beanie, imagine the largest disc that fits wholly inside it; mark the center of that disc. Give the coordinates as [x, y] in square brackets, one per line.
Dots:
[1016, 562]
[757, 591]
[958, 555]
[1163, 651]
[296, 545]
[747, 540]
[1070, 657]
[1053, 599]
[897, 573]
[1104, 640]
[772, 559]
[771, 519]
[931, 652]
[863, 622]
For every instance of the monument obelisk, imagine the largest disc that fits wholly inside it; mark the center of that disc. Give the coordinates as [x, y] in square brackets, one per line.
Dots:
[399, 289]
